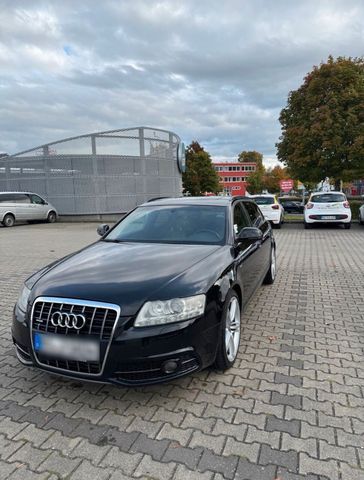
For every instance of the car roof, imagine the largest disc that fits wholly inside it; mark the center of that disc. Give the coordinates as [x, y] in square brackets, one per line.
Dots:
[20, 193]
[327, 193]
[208, 200]
[262, 195]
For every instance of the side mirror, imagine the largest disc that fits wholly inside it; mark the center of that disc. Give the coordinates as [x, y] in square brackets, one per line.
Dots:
[102, 229]
[250, 234]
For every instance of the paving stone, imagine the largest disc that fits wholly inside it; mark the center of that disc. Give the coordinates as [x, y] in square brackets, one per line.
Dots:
[270, 456]
[291, 400]
[86, 471]
[250, 471]
[290, 426]
[262, 436]
[34, 456]
[182, 455]
[126, 462]
[327, 468]
[216, 463]
[199, 439]
[249, 451]
[153, 469]
[154, 448]
[178, 435]
[62, 466]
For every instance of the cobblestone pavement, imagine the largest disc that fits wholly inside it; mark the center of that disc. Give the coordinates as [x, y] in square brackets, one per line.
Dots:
[291, 409]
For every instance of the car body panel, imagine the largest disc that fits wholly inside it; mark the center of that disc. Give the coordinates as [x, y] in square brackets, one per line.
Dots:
[273, 215]
[128, 274]
[327, 212]
[24, 206]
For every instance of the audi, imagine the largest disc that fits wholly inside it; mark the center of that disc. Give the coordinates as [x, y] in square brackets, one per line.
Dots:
[160, 295]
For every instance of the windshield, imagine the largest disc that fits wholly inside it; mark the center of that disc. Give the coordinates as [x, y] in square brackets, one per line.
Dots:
[264, 200]
[328, 198]
[172, 224]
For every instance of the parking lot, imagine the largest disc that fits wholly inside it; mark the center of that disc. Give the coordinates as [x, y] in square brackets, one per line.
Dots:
[291, 409]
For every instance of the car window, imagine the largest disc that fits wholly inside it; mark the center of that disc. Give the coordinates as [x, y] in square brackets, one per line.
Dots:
[36, 199]
[240, 219]
[21, 198]
[264, 200]
[328, 198]
[254, 214]
[191, 224]
[6, 198]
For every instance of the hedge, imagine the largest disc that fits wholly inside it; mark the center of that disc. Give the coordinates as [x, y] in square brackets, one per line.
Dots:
[354, 206]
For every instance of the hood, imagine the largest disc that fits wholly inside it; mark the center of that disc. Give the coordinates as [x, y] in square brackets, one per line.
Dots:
[127, 274]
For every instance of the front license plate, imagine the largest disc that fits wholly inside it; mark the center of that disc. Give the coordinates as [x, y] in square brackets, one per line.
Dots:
[328, 217]
[84, 350]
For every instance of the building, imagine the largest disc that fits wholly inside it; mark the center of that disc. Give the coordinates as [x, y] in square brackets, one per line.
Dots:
[234, 175]
[99, 173]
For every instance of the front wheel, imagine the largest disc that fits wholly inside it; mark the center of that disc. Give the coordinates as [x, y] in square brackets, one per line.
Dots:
[271, 274]
[308, 226]
[347, 226]
[229, 337]
[52, 217]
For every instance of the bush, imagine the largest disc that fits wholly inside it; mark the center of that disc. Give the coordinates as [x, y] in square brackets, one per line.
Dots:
[355, 205]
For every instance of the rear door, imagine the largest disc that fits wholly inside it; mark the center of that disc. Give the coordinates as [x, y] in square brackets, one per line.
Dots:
[246, 254]
[257, 220]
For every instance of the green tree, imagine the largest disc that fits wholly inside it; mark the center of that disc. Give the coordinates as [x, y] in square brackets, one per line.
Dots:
[253, 157]
[323, 123]
[200, 175]
[255, 182]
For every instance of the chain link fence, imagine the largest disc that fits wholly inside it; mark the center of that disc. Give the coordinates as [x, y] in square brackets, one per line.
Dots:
[100, 173]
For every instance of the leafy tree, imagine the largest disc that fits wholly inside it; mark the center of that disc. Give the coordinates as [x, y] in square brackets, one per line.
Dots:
[322, 124]
[255, 182]
[200, 175]
[252, 156]
[273, 176]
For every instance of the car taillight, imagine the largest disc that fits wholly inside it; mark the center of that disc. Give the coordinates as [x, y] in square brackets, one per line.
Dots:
[309, 205]
[346, 204]
[275, 207]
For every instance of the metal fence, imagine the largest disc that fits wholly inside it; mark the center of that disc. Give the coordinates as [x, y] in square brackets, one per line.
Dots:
[99, 173]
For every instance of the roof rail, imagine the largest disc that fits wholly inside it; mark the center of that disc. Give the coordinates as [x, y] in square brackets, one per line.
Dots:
[156, 198]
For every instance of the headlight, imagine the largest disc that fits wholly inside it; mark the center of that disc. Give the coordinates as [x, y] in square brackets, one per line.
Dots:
[23, 299]
[161, 312]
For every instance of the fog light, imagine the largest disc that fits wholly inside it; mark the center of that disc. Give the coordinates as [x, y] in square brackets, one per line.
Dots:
[169, 366]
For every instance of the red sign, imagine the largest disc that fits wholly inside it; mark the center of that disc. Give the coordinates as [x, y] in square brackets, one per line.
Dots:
[286, 185]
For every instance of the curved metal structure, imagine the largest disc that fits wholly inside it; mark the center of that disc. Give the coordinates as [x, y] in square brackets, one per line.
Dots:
[99, 173]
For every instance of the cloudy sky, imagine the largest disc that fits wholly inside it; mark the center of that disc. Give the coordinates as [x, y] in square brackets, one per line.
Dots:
[215, 71]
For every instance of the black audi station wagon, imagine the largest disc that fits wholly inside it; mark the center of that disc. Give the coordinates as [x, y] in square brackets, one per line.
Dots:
[159, 296]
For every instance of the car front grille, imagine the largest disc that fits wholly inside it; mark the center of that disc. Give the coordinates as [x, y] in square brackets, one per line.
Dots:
[100, 322]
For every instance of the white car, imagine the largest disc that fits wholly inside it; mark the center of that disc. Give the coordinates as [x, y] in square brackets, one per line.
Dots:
[327, 207]
[361, 215]
[270, 208]
[24, 206]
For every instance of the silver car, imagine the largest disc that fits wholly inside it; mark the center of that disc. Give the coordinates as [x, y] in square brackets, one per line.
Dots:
[361, 215]
[24, 206]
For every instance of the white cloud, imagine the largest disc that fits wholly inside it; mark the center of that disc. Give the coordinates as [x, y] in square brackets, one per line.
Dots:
[214, 71]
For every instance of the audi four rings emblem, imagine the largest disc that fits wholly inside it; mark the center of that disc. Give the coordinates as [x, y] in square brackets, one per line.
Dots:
[68, 320]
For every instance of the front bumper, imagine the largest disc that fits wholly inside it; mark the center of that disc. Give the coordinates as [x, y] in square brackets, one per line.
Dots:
[136, 356]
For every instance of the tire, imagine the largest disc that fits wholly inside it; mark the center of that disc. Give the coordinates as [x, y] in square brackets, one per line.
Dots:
[278, 225]
[308, 226]
[8, 220]
[347, 226]
[272, 272]
[361, 221]
[52, 217]
[228, 343]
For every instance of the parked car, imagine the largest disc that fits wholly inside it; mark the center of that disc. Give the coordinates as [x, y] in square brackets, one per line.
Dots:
[361, 215]
[158, 296]
[327, 207]
[271, 209]
[291, 205]
[24, 206]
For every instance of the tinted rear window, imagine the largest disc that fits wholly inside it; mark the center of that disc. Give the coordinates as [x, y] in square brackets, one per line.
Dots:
[328, 198]
[264, 200]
